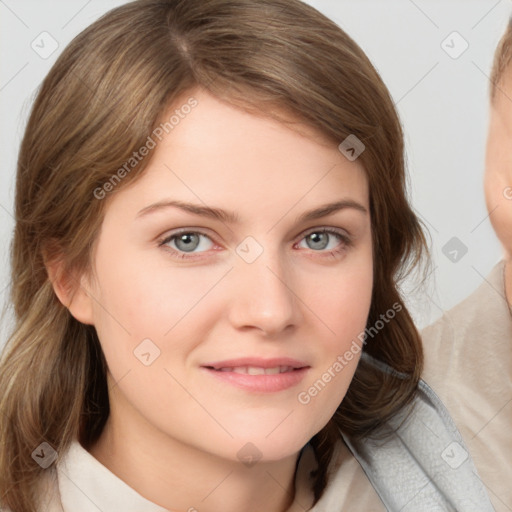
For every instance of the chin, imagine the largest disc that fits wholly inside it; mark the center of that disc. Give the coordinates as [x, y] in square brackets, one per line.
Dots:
[250, 452]
[277, 445]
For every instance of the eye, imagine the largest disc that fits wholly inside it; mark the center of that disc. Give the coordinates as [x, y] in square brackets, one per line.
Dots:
[188, 242]
[325, 239]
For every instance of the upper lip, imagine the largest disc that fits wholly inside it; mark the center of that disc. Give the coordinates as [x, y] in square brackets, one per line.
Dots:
[257, 362]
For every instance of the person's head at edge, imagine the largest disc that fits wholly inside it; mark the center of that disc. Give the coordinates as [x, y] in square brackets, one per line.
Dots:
[498, 165]
[112, 86]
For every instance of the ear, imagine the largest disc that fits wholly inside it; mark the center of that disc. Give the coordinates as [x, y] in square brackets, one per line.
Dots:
[71, 288]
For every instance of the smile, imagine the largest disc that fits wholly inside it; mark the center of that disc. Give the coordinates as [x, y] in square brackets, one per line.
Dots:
[256, 370]
[258, 375]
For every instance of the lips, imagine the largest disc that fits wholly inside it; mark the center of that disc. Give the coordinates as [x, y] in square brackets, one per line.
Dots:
[284, 363]
[256, 370]
[258, 374]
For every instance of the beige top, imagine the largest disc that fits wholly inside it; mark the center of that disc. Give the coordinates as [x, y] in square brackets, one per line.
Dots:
[468, 363]
[82, 484]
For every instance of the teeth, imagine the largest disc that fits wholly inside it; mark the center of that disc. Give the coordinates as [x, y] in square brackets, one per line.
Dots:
[256, 370]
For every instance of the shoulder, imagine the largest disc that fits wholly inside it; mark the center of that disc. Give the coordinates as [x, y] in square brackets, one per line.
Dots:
[465, 350]
[484, 308]
[419, 460]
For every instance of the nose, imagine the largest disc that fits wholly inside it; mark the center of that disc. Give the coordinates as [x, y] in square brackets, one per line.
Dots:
[263, 296]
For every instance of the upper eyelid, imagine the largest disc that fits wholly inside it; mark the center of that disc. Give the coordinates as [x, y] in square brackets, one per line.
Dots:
[325, 228]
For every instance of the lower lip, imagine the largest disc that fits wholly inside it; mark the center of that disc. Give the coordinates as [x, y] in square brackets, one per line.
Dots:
[261, 383]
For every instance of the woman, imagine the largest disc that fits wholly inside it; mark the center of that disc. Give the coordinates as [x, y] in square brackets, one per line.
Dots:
[211, 222]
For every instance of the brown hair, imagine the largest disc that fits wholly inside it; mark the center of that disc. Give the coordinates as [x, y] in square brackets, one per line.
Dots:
[502, 60]
[98, 104]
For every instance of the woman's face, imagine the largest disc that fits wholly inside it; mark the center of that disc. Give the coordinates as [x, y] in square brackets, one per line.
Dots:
[225, 321]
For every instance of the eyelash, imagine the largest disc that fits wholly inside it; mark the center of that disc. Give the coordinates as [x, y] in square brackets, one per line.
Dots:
[346, 243]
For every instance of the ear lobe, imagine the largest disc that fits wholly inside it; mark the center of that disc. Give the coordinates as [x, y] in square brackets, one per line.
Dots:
[70, 289]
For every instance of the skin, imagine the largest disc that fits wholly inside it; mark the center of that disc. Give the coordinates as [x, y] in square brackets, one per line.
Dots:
[498, 172]
[174, 430]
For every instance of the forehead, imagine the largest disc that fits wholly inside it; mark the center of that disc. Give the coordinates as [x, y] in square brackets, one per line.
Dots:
[220, 153]
[254, 138]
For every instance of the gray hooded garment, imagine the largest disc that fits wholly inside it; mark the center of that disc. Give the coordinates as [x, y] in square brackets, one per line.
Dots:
[423, 466]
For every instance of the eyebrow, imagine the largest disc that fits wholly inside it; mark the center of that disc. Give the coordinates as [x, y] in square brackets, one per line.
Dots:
[232, 218]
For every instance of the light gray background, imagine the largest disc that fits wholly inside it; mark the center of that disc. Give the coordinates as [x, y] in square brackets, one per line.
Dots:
[442, 102]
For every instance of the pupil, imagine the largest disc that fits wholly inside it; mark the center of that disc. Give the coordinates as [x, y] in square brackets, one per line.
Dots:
[190, 241]
[318, 240]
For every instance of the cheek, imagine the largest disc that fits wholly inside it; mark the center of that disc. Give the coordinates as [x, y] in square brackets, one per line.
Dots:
[342, 300]
[149, 318]
[149, 300]
[143, 317]
[498, 197]
[347, 307]
[343, 309]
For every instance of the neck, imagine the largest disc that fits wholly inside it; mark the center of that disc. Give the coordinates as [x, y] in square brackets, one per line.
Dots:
[177, 476]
